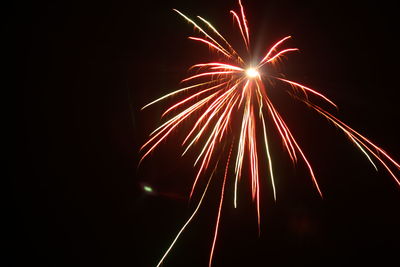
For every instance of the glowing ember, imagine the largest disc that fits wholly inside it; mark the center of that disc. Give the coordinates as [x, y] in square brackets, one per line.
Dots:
[147, 189]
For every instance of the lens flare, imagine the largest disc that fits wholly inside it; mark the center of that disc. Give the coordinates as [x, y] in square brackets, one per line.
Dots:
[226, 90]
[252, 73]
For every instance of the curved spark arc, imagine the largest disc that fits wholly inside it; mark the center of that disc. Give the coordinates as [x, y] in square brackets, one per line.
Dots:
[306, 89]
[280, 54]
[201, 30]
[236, 17]
[272, 49]
[226, 42]
[176, 92]
[244, 22]
[210, 44]
[189, 220]
[230, 89]
[219, 208]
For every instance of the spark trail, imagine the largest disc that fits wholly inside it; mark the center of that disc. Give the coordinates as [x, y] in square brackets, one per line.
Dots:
[231, 89]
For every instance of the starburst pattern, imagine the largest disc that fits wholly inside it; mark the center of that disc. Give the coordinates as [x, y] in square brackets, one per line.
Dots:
[233, 89]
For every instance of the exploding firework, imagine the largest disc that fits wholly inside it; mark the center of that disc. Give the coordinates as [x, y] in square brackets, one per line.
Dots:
[235, 88]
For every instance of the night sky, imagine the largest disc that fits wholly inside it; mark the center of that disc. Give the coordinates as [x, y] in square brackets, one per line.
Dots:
[86, 68]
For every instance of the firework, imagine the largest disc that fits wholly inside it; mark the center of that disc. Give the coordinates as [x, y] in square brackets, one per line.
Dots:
[233, 89]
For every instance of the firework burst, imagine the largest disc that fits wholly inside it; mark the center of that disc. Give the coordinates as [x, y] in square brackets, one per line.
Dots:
[233, 89]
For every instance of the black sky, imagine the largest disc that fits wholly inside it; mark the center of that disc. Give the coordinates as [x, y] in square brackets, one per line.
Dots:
[86, 68]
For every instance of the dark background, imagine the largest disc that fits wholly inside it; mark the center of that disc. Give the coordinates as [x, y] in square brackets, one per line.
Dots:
[86, 68]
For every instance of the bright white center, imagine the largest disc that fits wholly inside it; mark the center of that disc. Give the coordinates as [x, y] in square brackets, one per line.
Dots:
[251, 73]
